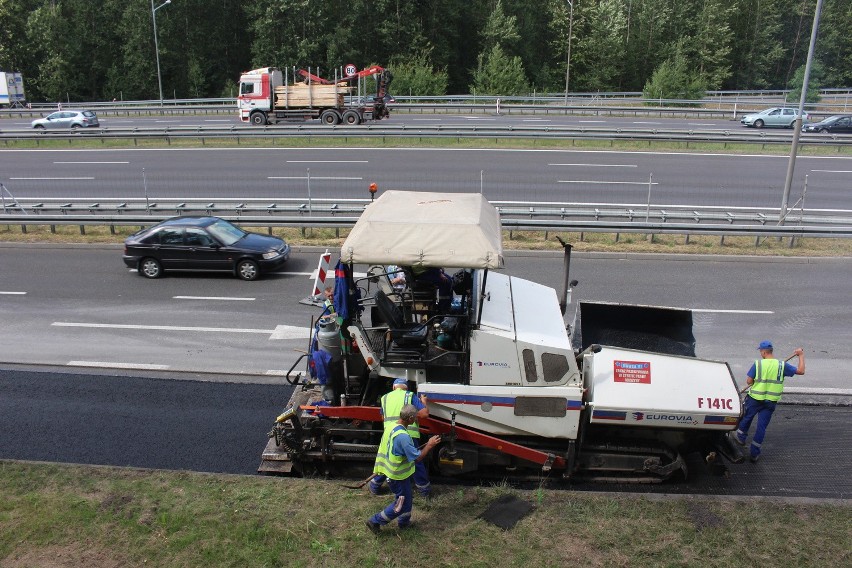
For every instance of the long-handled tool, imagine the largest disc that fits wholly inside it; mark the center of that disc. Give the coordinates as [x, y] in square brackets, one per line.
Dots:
[745, 389]
[360, 484]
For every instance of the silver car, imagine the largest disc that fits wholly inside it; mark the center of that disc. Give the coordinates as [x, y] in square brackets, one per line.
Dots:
[779, 117]
[67, 119]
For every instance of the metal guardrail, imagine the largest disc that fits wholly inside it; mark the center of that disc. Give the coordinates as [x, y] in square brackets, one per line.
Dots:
[747, 136]
[342, 213]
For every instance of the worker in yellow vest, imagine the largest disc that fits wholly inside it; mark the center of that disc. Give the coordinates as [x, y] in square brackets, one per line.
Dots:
[766, 378]
[391, 404]
[396, 458]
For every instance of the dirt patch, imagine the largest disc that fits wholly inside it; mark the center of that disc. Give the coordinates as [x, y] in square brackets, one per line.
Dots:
[702, 517]
[67, 556]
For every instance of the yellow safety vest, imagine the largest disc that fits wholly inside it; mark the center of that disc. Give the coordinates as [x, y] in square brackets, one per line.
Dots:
[768, 380]
[389, 464]
[392, 404]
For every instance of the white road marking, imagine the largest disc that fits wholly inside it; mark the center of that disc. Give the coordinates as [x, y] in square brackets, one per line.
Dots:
[294, 273]
[479, 118]
[141, 366]
[223, 298]
[312, 177]
[834, 171]
[91, 162]
[52, 178]
[712, 311]
[280, 331]
[536, 120]
[700, 124]
[166, 121]
[328, 161]
[599, 165]
[644, 122]
[13, 293]
[591, 121]
[606, 182]
[290, 332]
[282, 373]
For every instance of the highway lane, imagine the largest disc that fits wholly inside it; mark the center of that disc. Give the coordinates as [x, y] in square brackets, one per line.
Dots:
[79, 306]
[488, 117]
[143, 421]
[583, 176]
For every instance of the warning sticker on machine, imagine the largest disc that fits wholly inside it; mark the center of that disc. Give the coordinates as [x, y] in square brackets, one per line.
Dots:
[632, 372]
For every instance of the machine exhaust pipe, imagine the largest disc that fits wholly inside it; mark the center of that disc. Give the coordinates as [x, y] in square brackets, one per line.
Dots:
[566, 271]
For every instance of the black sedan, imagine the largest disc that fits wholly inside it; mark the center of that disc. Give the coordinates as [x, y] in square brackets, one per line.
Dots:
[203, 243]
[841, 124]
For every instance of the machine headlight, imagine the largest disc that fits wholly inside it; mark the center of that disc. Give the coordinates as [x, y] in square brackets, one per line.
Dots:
[270, 254]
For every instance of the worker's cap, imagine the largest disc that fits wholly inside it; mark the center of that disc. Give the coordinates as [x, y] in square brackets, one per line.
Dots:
[400, 382]
[765, 345]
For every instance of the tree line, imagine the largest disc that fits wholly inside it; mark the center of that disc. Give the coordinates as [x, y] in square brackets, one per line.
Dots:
[80, 50]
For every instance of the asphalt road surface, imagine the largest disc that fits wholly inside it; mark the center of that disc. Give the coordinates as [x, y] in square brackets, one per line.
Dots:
[220, 427]
[78, 306]
[487, 118]
[727, 181]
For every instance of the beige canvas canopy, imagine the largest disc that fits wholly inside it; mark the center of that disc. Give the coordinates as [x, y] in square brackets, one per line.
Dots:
[412, 228]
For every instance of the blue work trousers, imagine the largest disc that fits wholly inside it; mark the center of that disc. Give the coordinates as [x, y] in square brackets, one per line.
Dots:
[396, 510]
[763, 409]
[421, 480]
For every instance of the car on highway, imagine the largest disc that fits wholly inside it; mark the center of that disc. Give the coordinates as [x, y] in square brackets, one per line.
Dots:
[203, 243]
[67, 119]
[780, 117]
[838, 124]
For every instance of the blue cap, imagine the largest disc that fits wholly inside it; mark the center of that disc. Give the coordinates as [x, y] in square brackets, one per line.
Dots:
[765, 345]
[400, 382]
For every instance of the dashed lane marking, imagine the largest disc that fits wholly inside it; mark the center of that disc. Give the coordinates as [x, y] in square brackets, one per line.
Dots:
[222, 298]
[110, 365]
[280, 331]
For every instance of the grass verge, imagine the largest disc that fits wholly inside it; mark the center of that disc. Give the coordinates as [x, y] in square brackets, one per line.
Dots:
[522, 240]
[63, 515]
[824, 148]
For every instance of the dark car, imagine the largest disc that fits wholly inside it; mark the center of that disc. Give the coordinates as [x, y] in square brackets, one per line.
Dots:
[837, 124]
[203, 243]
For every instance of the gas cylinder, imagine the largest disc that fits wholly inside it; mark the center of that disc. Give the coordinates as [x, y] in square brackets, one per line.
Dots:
[328, 336]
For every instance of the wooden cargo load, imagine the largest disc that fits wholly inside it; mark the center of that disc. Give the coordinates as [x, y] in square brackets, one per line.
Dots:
[313, 95]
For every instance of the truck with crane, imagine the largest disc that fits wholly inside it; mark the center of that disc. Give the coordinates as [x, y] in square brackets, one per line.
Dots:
[516, 388]
[269, 95]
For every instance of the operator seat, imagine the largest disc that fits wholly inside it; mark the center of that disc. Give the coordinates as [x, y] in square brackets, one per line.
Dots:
[402, 333]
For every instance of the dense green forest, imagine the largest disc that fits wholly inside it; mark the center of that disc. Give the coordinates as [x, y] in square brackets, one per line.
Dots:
[103, 49]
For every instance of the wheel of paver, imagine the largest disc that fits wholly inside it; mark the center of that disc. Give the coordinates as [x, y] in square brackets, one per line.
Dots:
[258, 118]
[150, 268]
[330, 117]
[248, 270]
[351, 117]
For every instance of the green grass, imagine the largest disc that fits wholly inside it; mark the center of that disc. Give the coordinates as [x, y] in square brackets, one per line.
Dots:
[520, 240]
[63, 515]
[84, 142]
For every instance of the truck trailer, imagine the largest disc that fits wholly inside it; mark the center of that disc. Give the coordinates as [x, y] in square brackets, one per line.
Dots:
[515, 387]
[269, 95]
[11, 89]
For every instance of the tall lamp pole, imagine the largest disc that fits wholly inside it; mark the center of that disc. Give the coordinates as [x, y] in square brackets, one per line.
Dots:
[797, 126]
[570, 33]
[157, 46]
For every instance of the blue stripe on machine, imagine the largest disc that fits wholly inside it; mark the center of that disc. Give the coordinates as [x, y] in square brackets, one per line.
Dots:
[609, 415]
[494, 400]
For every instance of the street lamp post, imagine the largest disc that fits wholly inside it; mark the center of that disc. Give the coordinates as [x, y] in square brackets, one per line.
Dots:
[157, 46]
[570, 33]
[797, 126]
